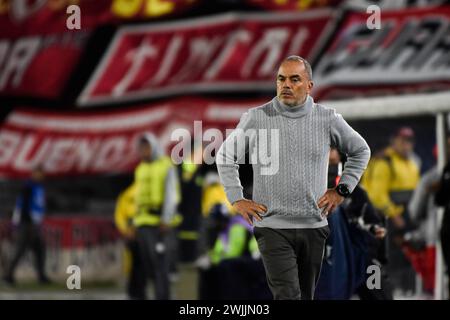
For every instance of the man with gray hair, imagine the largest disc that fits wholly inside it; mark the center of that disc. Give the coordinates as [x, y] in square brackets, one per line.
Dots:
[290, 206]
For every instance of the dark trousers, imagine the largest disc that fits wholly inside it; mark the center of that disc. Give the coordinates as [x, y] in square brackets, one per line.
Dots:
[155, 262]
[172, 250]
[137, 277]
[29, 236]
[292, 260]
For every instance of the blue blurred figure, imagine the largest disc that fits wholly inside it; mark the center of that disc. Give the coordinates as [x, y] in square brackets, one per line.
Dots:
[27, 220]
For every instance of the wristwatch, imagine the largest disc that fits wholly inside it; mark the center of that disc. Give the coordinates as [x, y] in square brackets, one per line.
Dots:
[342, 190]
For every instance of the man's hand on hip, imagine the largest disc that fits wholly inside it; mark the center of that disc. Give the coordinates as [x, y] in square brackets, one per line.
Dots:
[329, 201]
[248, 209]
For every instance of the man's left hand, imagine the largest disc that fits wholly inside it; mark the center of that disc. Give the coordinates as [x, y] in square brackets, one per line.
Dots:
[329, 201]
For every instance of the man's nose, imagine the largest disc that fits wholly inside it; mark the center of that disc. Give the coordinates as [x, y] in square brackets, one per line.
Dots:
[287, 84]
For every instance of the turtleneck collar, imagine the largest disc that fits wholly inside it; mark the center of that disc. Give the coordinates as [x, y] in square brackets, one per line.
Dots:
[296, 111]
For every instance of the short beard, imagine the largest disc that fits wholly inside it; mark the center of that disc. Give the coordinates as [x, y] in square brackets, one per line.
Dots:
[293, 104]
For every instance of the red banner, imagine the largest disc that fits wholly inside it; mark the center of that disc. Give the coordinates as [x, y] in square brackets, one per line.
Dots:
[103, 142]
[409, 53]
[38, 52]
[20, 18]
[290, 5]
[231, 52]
[39, 66]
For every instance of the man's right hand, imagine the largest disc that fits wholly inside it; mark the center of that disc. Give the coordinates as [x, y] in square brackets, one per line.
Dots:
[249, 209]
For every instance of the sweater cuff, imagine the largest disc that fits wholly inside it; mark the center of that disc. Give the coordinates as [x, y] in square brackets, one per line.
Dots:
[234, 194]
[349, 181]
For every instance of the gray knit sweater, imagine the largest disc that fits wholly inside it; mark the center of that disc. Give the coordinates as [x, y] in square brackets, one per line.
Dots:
[288, 148]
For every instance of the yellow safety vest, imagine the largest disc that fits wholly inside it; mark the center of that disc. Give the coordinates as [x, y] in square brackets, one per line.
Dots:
[385, 180]
[212, 195]
[150, 180]
[125, 209]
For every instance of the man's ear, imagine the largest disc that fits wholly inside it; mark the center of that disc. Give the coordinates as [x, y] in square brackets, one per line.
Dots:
[310, 85]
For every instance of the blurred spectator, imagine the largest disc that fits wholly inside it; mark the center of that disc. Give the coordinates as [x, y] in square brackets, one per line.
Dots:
[443, 199]
[191, 178]
[422, 208]
[27, 218]
[213, 194]
[356, 241]
[232, 269]
[390, 181]
[123, 216]
[157, 196]
[423, 213]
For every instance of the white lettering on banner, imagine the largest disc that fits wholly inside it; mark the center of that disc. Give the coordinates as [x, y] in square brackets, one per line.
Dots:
[107, 142]
[272, 42]
[230, 45]
[18, 60]
[9, 141]
[65, 154]
[168, 61]
[225, 53]
[110, 154]
[298, 41]
[137, 58]
[60, 157]
[201, 57]
[86, 150]
[27, 157]
[403, 51]
[201, 53]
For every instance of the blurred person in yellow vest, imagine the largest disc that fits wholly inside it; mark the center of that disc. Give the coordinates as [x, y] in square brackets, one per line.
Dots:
[232, 268]
[125, 212]
[212, 194]
[392, 176]
[191, 173]
[235, 237]
[390, 179]
[157, 197]
[123, 216]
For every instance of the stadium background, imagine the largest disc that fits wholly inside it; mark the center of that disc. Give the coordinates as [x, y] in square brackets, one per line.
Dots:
[76, 99]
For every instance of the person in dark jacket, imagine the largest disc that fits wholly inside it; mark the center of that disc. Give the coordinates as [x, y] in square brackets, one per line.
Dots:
[356, 241]
[27, 219]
